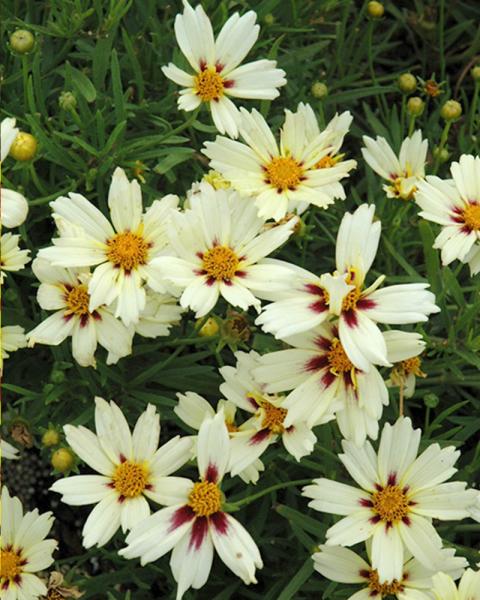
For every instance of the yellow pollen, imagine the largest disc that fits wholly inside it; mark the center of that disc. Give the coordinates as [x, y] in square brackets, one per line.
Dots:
[220, 263]
[390, 503]
[273, 417]
[127, 250]
[392, 587]
[351, 299]
[77, 300]
[412, 366]
[10, 564]
[471, 216]
[209, 84]
[231, 427]
[205, 499]
[396, 187]
[130, 479]
[283, 173]
[337, 358]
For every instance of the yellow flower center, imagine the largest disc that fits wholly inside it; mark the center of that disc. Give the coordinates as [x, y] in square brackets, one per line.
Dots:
[209, 84]
[205, 499]
[338, 359]
[390, 503]
[351, 299]
[384, 589]
[130, 479]
[220, 263]
[471, 216]
[412, 366]
[10, 564]
[127, 250]
[77, 299]
[325, 163]
[283, 173]
[273, 417]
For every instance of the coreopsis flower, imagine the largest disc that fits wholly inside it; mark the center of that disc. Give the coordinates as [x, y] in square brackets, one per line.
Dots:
[66, 292]
[301, 170]
[404, 349]
[455, 205]
[8, 451]
[444, 587]
[404, 172]
[12, 337]
[193, 409]
[345, 566]
[398, 496]
[344, 294]
[217, 75]
[220, 244]
[269, 415]
[14, 206]
[194, 523]
[24, 549]
[122, 254]
[13, 259]
[131, 465]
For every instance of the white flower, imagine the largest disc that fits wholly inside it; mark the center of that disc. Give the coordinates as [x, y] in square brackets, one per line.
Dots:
[8, 133]
[123, 253]
[302, 170]
[8, 451]
[193, 409]
[343, 565]
[269, 415]
[468, 589]
[475, 509]
[24, 550]
[405, 172]
[131, 466]
[398, 497]
[14, 207]
[194, 523]
[220, 244]
[12, 337]
[66, 292]
[13, 259]
[216, 66]
[455, 205]
[403, 350]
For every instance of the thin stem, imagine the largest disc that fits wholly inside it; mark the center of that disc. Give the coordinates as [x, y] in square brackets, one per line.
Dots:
[441, 37]
[401, 397]
[234, 506]
[411, 125]
[441, 145]
[473, 108]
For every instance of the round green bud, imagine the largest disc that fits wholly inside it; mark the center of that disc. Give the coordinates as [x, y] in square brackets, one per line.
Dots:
[62, 460]
[375, 10]
[50, 438]
[22, 41]
[269, 19]
[24, 147]
[415, 106]
[319, 90]
[407, 83]
[441, 154]
[67, 101]
[475, 72]
[451, 110]
[431, 400]
[57, 376]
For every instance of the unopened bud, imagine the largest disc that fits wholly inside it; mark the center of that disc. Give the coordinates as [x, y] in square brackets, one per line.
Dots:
[375, 10]
[441, 154]
[22, 41]
[407, 83]
[50, 438]
[24, 147]
[475, 72]
[62, 460]
[451, 110]
[67, 100]
[415, 106]
[319, 90]
[209, 328]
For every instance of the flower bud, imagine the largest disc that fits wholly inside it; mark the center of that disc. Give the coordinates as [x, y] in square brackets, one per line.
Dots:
[209, 328]
[24, 147]
[319, 90]
[441, 154]
[22, 41]
[62, 460]
[67, 100]
[407, 83]
[475, 72]
[415, 106]
[269, 19]
[20, 432]
[431, 400]
[451, 110]
[375, 10]
[50, 438]
[432, 88]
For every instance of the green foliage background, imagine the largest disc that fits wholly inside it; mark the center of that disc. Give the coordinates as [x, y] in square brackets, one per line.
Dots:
[109, 54]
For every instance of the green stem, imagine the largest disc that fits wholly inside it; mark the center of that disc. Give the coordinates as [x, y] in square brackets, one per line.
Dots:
[411, 125]
[441, 37]
[473, 108]
[183, 126]
[234, 506]
[441, 145]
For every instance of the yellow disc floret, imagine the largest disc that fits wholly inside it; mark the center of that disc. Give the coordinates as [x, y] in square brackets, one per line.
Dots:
[10, 565]
[338, 359]
[77, 300]
[208, 84]
[390, 503]
[130, 479]
[351, 299]
[273, 417]
[471, 216]
[127, 250]
[384, 589]
[220, 263]
[205, 499]
[283, 173]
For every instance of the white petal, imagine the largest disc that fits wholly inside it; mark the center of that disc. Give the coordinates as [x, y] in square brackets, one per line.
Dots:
[82, 489]
[146, 434]
[102, 522]
[387, 553]
[340, 564]
[87, 446]
[124, 202]
[213, 446]
[334, 497]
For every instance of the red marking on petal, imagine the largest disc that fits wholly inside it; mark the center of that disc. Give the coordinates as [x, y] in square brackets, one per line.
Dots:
[199, 532]
[203, 64]
[67, 317]
[211, 473]
[220, 522]
[121, 499]
[365, 502]
[364, 573]
[328, 378]
[406, 520]
[316, 363]
[259, 437]
[229, 83]
[348, 381]
[110, 485]
[181, 516]
[219, 68]
[240, 273]
[388, 525]
[84, 320]
[149, 487]
[252, 402]
[210, 281]
[405, 489]
[378, 487]
[122, 458]
[228, 282]
[97, 316]
[392, 479]
[199, 254]
[319, 306]
[366, 303]
[322, 343]
[350, 318]
[374, 519]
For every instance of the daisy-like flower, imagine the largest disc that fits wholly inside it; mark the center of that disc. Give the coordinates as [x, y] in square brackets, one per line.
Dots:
[12, 337]
[24, 550]
[444, 587]
[122, 254]
[403, 350]
[343, 565]
[399, 495]
[455, 205]
[405, 172]
[14, 207]
[132, 468]
[217, 74]
[220, 244]
[8, 451]
[193, 409]
[302, 170]
[269, 415]
[66, 292]
[12, 258]
[194, 523]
